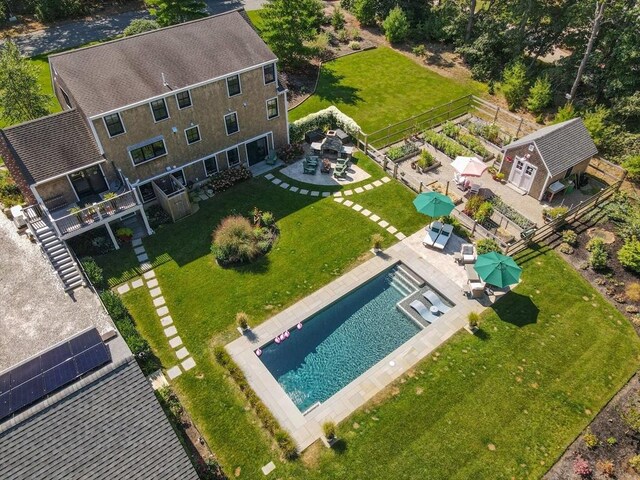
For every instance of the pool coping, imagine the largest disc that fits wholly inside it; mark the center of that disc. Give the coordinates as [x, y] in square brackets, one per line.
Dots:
[306, 429]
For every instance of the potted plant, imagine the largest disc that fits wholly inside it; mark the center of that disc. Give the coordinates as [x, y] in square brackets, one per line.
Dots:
[87, 214]
[499, 177]
[124, 234]
[242, 319]
[473, 321]
[110, 205]
[376, 243]
[329, 430]
[76, 211]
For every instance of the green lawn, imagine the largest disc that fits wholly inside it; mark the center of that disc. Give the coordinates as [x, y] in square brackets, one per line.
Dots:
[379, 87]
[548, 358]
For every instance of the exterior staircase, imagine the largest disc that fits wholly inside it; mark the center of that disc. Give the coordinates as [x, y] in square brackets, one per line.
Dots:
[60, 257]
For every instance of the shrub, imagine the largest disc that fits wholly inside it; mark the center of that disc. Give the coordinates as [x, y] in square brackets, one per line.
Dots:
[634, 462]
[612, 441]
[487, 245]
[324, 120]
[321, 43]
[396, 25]
[10, 194]
[93, 272]
[140, 25]
[515, 84]
[599, 256]
[590, 439]
[354, 33]
[540, 95]
[564, 113]
[286, 444]
[157, 216]
[228, 178]
[596, 242]
[426, 159]
[290, 152]
[484, 212]
[473, 205]
[354, 45]
[555, 212]
[632, 165]
[632, 291]
[606, 467]
[419, 50]
[337, 19]
[629, 255]
[234, 241]
[570, 237]
[267, 219]
[473, 319]
[51, 10]
[329, 430]
[376, 241]
[566, 248]
[242, 319]
[581, 467]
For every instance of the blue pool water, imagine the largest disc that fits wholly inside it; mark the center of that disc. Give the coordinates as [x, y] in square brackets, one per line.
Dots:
[340, 343]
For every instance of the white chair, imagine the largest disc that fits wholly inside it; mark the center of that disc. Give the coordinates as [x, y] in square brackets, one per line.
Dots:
[468, 253]
[443, 238]
[460, 181]
[433, 231]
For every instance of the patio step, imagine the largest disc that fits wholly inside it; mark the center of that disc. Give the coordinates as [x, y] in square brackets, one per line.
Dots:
[60, 258]
[415, 281]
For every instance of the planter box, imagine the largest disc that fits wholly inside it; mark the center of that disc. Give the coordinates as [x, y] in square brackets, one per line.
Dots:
[403, 158]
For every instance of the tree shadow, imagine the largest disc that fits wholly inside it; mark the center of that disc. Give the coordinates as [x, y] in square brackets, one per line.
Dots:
[339, 446]
[331, 89]
[517, 309]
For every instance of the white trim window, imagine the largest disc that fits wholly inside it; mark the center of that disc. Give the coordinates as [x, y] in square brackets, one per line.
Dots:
[233, 86]
[210, 165]
[150, 150]
[183, 99]
[231, 123]
[269, 73]
[159, 110]
[233, 157]
[272, 108]
[192, 134]
[113, 124]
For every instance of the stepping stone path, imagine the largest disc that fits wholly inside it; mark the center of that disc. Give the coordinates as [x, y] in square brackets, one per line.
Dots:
[170, 330]
[302, 191]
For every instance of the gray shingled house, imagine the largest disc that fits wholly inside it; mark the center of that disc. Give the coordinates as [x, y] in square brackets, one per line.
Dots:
[533, 163]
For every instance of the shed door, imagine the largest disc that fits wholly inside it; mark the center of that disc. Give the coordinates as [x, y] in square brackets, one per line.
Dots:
[522, 174]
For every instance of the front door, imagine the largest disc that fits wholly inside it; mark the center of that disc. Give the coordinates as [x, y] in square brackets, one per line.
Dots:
[88, 182]
[257, 150]
[522, 174]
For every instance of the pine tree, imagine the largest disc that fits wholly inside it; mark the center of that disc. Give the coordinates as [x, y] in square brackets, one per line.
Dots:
[171, 12]
[540, 95]
[21, 96]
[515, 84]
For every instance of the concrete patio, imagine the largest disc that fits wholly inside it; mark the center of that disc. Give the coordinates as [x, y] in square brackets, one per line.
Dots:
[354, 174]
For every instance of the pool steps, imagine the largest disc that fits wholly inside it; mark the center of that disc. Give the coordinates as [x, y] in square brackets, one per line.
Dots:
[404, 281]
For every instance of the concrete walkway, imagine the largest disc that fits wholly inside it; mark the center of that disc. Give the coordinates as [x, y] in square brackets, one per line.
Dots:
[99, 27]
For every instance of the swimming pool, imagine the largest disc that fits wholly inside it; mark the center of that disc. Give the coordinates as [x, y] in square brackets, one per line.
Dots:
[342, 341]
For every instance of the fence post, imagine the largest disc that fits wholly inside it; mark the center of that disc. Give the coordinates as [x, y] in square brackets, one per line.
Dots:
[366, 143]
[473, 229]
[395, 170]
[519, 126]
[495, 117]
[420, 188]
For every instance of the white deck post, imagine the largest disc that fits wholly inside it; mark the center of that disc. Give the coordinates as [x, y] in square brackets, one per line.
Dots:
[113, 237]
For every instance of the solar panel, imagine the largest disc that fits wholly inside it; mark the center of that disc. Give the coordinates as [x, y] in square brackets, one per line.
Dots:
[50, 370]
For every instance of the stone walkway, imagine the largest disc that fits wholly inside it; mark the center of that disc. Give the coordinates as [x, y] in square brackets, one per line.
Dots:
[371, 216]
[316, 193]
[170, 331]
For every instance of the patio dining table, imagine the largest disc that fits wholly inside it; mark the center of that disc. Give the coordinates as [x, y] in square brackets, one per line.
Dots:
[472, 275]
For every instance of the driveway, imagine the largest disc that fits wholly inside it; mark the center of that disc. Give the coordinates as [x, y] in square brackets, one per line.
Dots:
[75, 33]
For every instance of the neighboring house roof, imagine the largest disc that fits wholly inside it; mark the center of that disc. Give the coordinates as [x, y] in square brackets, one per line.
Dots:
[561, 146]
[106, 426]
[115, 74]
[52, 145]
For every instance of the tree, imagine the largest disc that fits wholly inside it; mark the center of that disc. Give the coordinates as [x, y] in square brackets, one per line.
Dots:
[472, 13]
[21, 96]
[140, 25]
[171, 12]
[632, 166]
[365, 12]
[597, 122]
[396, 25]
[597, 21]
[289, 26]
[566, 112]
[515, 84]
[540, 95]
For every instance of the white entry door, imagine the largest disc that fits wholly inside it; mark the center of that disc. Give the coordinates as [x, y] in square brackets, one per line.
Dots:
[522, 174]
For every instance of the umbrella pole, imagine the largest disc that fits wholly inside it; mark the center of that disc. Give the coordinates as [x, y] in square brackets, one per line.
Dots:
[446, 190]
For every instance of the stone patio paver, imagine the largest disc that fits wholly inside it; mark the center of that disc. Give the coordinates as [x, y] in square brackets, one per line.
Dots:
[337, 194]
[284, 185]
[276, 181]
[374, 217]
[166, 321]
[170, 331]
[385, 179]
[182, 353]
[383, 223]
[143, 257]
[368, 186]
[155, 292]
[326, 194]
[365, 212]
[162, 311]
[348, 192]
[294, 189]
[377, 183]
[124, 288]
[139, 250]
[400, 236]
[315, 193]
[158, 301]
[152, 283]
[175, 342]
[149, 275]
[268, 176]
[338, 199]
[392, 230]
[357, 207]
[174, 372]
[347, 203]
[136, 242]
[358, 190]
[268, 468]
[304, 191]
[137, 283]
[188, 364]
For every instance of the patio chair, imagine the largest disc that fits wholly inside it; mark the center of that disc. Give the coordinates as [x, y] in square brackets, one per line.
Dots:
[476, 289]
[423, 311]
[340, 172]
[312, 159]
[468, 253]
[433, 231]
[460, 181]
[434, 299]
[474, 189]
[444, 237]
[342, 162]
[272, 158]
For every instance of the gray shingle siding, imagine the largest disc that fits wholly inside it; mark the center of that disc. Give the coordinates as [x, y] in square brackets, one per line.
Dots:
[111, 428]
[561, 146]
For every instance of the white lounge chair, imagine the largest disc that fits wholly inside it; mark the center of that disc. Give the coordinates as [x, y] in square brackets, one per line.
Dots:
[476, 289]
[443, 238]
[468, 253]
[423, 311]
[434, 299]
[433, 231]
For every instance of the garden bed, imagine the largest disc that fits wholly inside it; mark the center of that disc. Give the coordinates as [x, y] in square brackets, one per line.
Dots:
[467, 140]
[488, 132]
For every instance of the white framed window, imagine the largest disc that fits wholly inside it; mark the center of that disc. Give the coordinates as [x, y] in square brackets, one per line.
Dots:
[159, 110]
[233, 86]
[114, 124]
[210, 165]
[150, 150]
[269, 73]
[272, 108]
[231, 123]
[192, 134]
[183, 99]
[233, 157]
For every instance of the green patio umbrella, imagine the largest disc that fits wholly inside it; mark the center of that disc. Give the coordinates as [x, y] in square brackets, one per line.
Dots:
[497, 269]
[433, 204]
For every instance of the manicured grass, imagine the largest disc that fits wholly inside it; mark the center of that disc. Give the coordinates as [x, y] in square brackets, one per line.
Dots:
[119, 266]
[379, 87]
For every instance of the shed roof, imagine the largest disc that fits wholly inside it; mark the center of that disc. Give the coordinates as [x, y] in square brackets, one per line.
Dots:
[116, 74]
[108, 427]
[561, 146]
[52, 145]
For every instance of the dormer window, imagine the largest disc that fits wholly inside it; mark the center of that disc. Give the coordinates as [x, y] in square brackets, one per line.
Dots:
[233, 85]
[159, 109]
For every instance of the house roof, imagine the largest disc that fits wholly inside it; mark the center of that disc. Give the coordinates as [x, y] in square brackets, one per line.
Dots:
[107, 426]
[115, 74]
[52, 145]
[561, 146]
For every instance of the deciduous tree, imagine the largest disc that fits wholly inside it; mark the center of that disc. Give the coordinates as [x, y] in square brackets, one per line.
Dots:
[171, 12]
